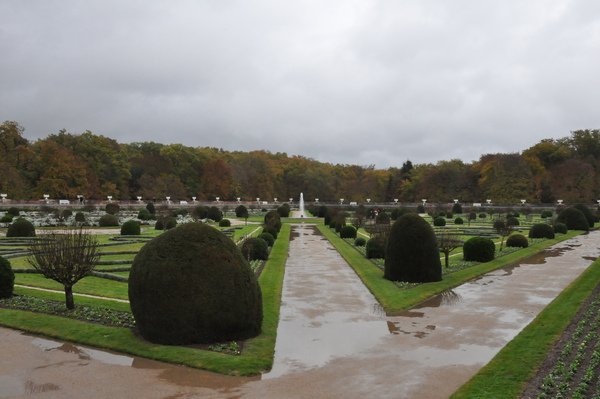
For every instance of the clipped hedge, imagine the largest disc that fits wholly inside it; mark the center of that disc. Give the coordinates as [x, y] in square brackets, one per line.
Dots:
[459, 220]
[439, 221]
[255, 248]
[360, 242]
[589, 216]
[573, 218]
[225, 223]
[517, 240]
[560, 228]
[375, 248]
[541, 230]
[348, 232]
[131, 228]
[268, 238]
[21, 228]
[108, 220]
[7, 279]
[479, 249]
[192, 285]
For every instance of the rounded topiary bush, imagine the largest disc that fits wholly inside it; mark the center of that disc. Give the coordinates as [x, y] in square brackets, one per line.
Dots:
[170, 223]
[560, 228]
[192, 285]
[270, 230]
[225, 223]
[160, 224]
[80, 217]
[268, 238]
[21, 228]
[512, 221]
[131, 228]
[546, 214]
[457, 208]
[382, 218]
[108, 220]
[439, 221]
[479, 249]
[360, 242]
[517, 240]
[589, 216]
[541, 230]
[412, 252]
[348, 232]
[284, 211]
[482, 215]
[7, 278]
[375, 248]
[214, 213]
[14, 211]
[144, 214]
[6, 218]
[255, 248]
[112, 208]
[573, 218]
[273, 220]
[459, 221]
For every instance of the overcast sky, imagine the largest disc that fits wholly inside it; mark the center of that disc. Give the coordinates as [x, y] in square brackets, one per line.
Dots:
[365, 82]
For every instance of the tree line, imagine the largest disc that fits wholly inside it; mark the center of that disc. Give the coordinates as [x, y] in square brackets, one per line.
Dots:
[65, 165]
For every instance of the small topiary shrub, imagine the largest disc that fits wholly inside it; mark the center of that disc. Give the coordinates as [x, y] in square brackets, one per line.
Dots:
[21, 228]
[270, 230]
[112, 208]
[439, 221]
[255, 249]
[6, 218]
[541, 230]
[268, 238]
[144, 214]
[131, 228]
[179, 212]
[80, 217]
[573, 218]
[482, 215]
[273, 220]
[348, 232]
[241, 212]
[512, 221]
[284, 211]
[560, 228]
[449, 215]
[457, 208]
[108, 220]
[589, 216]
[225, 223]
[546, 214]
[397, 212]
[170, 223]
[7, 279]
[200, 212]
[192, 285]
[412, 253]
[382, 218]
[375, 248]
[67, 213]
[214, 213]
[13, 211]
[151, 208]
[479, 249]
[160, 224]
[442, 214]
[360, 242]
[459, 220]
[517, 240]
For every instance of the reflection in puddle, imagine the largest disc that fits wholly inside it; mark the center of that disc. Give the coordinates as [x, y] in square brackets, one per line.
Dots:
[83, 353]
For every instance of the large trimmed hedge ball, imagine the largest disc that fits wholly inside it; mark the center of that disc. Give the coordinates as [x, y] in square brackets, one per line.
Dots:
[21, 228]
[375, 248]
[517, 240]
[108, 220]
[131, 228]
[479, 249]
[573, 218]
[273, 220]
[7, 278]
[589, 216]
[192, 285]
[255, 248]
[541, 230]
[412, 252]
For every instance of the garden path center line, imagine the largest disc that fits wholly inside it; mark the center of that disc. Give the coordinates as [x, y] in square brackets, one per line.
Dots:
[333, 339]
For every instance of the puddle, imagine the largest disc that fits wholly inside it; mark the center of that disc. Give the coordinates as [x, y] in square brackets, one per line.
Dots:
[83, 353]
[446, 298]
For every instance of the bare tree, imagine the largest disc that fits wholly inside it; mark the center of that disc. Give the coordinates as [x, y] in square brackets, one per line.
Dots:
[503, 229]
[65, 257]
[447, 242]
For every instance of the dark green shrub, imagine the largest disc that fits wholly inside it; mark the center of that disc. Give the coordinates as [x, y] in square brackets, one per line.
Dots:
[67, 213]
[479, 249]
[517, 240]
[573, 218]
[170, 223]
[192, 285]
[375, 248]
[360, 242]
[322, 211]
[144, 214]
[339, 223]
[6, 218]
[382, 218]
[225, 223]
[442, 214]
[332, 224]
[214, 213]
[13, 211]
[348, 232]
[255, 248]
[512, 221]
[449, 215]
[151, 208]
[80, 217]
[112, 208]
[200, 212]
[270, 230]
[412, 253]
[21, 228]
[284, 211]
[273, 220]
[241, 212]
[589, 216]
[472, 216]
[108, 220]
[131, 228]
[560, 228]
[7, 279]
[439, 221]
[546, 214]
[482, 215]
[160, 224]
[459, 220]
[397, 212]
[457, 208]
[268, 238]
[541, 230]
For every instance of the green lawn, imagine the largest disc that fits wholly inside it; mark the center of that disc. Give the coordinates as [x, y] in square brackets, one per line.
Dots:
[394, 299]
[510, 370]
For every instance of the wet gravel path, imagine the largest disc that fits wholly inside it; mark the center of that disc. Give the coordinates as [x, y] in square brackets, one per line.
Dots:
[333, 339]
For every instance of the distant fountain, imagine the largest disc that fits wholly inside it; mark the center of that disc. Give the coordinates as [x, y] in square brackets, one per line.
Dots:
[301, 205]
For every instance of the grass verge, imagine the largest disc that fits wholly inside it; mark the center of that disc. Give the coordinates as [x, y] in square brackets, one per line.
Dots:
[257, 355]
[394, 300]
[510, 370]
